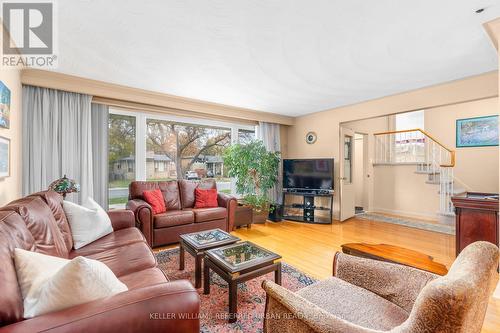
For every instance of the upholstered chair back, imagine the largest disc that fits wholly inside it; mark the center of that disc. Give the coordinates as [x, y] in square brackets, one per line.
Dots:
[457, 302]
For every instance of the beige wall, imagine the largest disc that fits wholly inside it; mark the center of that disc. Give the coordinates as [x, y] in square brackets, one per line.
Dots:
[401, 191]
[10, 187]
[476, 167]
[326, 124]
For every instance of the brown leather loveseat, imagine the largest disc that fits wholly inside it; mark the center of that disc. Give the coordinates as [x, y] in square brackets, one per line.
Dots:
[181, 217]
[38, 223]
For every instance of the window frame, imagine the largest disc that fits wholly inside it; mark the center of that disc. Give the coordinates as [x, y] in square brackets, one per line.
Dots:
[141, 118]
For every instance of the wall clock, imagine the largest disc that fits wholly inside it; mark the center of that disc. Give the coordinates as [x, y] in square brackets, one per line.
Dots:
[311, 137]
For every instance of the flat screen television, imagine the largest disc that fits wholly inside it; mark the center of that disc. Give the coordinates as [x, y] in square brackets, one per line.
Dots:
[308, 174]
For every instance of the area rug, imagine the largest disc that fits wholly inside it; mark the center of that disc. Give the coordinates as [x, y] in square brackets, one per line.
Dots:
[442, 228]
[214, 307]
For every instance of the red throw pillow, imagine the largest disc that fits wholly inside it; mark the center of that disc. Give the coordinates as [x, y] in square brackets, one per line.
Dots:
[155, 199]
[205, 198]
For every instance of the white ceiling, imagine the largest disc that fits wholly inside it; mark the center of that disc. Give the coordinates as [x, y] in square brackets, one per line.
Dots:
[281, 56]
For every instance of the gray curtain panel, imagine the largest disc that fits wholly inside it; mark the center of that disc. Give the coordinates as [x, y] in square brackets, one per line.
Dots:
[100, 117]
[269, 133]
[57, 140]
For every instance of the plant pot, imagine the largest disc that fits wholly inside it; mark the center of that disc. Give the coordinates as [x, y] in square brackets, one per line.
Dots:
[276, 213]
[260, 216]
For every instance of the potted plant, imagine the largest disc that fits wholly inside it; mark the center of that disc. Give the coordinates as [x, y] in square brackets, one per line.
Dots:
[256, 172]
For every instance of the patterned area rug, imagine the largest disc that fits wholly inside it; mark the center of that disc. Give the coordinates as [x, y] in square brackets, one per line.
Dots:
[214, 307]
[442, 228]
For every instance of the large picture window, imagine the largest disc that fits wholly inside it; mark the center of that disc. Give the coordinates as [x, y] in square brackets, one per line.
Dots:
[150, 147]
[121, 158]
[186, 151]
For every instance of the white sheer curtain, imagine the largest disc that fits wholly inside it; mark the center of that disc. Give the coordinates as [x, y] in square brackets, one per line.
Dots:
[269, 133]
[57, 140]
[100, 123]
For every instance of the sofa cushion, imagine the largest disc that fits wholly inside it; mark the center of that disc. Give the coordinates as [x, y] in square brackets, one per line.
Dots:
[209, 214]
[88, 222]
[39, 220]
[50, 283]
[55, 201]
[205, 198]
[354, 304]
[144, 278]
[126, 259]
[174, 217]
[187, 188]
[170, 191]
[13, 234]
[115, 239]
[155, 199]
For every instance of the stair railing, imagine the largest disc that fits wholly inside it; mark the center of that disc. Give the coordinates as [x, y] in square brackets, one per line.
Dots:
[418, 147]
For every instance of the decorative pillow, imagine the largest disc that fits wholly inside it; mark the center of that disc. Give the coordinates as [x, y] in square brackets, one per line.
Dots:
[50, 283]
[87, 223]
[205, 198]
[155, 199]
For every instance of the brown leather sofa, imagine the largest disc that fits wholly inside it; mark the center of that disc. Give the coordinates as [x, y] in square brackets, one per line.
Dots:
[38, 223]
[181, 217]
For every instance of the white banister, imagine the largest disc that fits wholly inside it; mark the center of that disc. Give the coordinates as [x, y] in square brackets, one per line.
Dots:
[430, 156]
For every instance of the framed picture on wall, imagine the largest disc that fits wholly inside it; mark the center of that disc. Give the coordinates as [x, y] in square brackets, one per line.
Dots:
[4, 106]
[477, 132]
[4, 157]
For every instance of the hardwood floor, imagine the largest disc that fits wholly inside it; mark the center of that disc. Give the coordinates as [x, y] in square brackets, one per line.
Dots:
[310, 248]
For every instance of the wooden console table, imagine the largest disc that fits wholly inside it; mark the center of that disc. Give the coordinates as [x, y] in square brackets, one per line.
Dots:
[476, 218]
[395, 254]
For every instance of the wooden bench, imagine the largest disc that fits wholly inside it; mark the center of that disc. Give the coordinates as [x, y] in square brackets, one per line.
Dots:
[395, 254]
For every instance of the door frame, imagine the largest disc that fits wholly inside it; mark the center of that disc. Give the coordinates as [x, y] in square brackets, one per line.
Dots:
[341, 177]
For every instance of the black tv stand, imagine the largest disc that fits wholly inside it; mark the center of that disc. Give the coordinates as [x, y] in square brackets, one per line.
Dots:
[313, 207]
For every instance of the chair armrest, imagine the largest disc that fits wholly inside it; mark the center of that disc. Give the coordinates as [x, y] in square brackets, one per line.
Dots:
[287, 312]
[229, 202]
[143, 218]
[166, 307]
[398, 284]
[121, 219]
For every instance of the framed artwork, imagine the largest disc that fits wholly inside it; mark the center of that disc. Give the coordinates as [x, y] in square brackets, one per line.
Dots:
[477, 132]
[4, 157]
[4, 106]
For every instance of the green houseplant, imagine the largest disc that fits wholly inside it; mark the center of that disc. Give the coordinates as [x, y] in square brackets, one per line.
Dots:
[256, 172]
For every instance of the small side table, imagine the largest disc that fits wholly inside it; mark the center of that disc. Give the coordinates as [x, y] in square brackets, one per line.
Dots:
[197, 243]
[243, 215]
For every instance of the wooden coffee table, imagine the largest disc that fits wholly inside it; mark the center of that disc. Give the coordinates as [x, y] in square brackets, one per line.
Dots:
[196, 243]
[238, 263]
[395, 254]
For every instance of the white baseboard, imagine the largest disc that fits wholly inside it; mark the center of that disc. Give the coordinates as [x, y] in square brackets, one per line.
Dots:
[417, 215]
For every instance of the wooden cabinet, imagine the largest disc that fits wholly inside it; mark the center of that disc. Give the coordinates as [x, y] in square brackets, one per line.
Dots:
[476, 218]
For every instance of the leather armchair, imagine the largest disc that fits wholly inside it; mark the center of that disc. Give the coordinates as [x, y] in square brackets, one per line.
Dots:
[367, 296]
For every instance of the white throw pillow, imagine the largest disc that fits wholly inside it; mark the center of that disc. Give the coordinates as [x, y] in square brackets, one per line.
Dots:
[88, 222]
[49, 283]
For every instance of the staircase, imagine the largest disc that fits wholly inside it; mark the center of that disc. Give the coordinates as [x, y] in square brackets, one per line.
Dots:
[431, 158]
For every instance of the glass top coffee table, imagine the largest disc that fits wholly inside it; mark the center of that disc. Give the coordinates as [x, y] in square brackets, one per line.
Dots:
[196, 243]
[237, 263]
